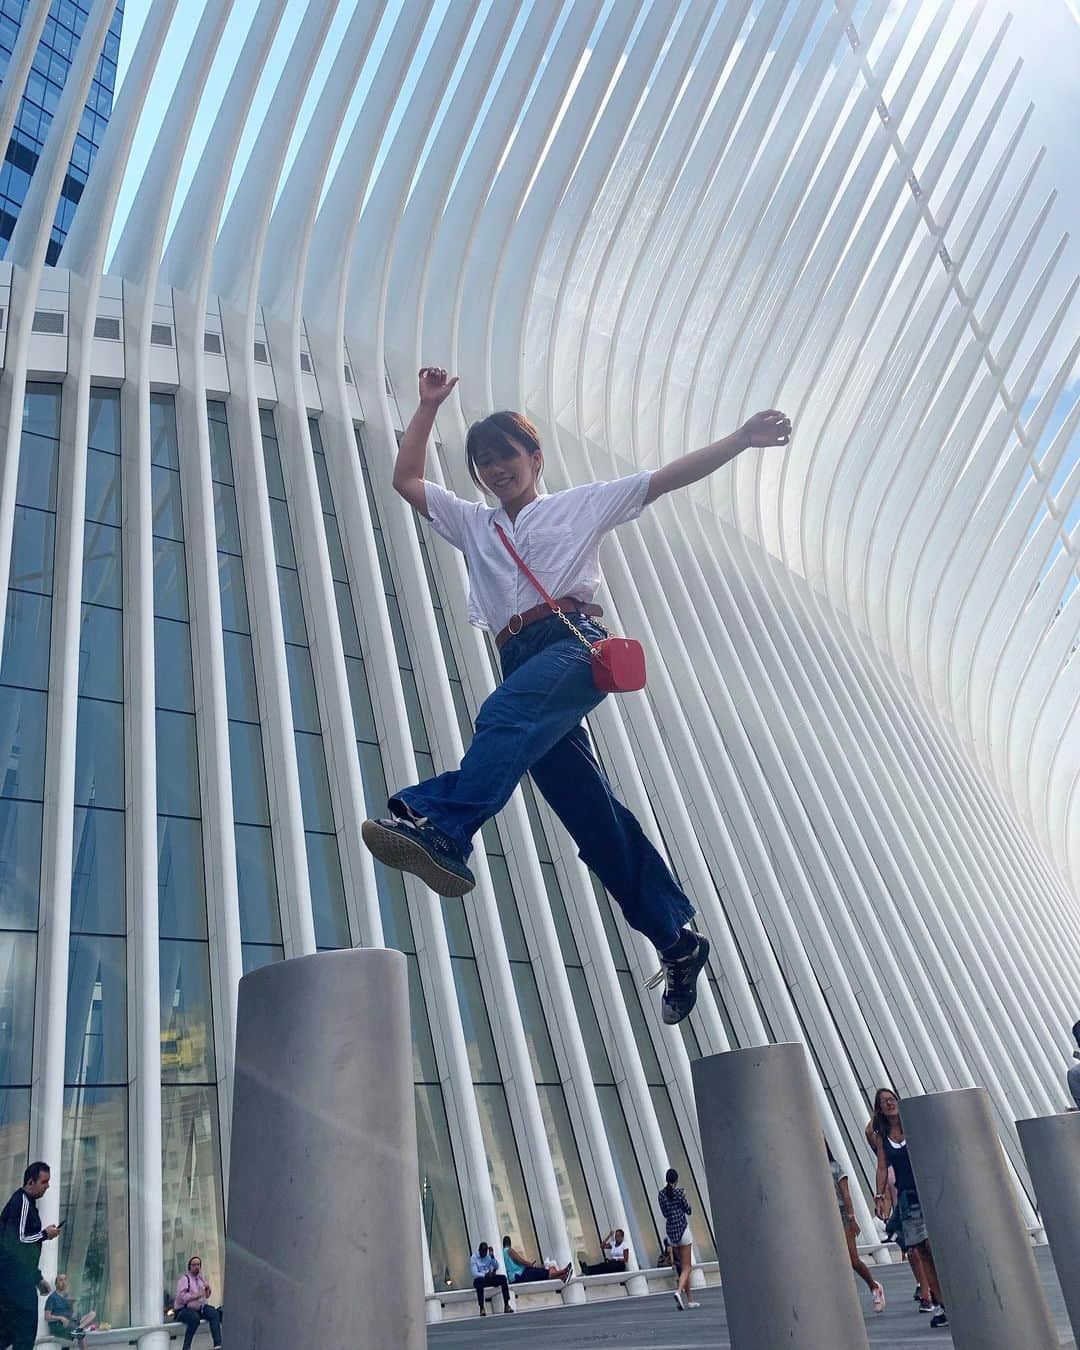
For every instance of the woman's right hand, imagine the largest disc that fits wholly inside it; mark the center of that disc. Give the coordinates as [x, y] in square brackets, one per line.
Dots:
[881, 1208]
[434, 385]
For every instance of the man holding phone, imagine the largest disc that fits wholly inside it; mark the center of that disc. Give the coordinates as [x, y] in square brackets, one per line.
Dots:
[21, 1237]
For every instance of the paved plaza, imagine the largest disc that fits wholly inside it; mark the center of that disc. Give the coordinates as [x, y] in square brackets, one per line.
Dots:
[655, 1323]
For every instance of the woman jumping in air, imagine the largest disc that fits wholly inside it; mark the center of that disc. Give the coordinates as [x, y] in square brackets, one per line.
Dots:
[532, 723]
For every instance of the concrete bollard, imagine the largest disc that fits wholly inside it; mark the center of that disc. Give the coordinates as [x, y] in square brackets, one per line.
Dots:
[769, 1184]
[322, 1236]
[1051, 1146]
[981, 1248]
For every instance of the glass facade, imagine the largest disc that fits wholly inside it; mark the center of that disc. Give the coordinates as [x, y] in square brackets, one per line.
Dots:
[24, 674]
[38, 104]
[193, 1204]
[94, 1244]
[256, 876]
[440, 1193]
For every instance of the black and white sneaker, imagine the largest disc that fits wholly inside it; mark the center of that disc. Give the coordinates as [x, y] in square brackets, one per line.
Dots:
[940, 1318]
[679, 978]
[413, 844]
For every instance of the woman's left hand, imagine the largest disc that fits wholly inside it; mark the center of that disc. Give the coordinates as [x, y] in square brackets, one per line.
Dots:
[766, 428]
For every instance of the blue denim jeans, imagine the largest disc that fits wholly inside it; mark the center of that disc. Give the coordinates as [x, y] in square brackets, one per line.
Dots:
[532, 723]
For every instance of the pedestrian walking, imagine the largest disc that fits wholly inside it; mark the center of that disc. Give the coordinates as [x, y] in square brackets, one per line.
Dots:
[676, 1210]
[533, 563]
[892, 1151]
[22, 1236]
[851, 1231]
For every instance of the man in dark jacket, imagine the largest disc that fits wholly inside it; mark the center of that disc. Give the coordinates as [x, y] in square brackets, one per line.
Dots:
[21, 1236]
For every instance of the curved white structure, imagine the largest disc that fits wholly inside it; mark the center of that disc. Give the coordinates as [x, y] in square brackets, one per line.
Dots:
[226, 637]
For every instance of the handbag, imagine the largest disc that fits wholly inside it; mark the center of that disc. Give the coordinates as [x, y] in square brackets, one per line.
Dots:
[618, 663]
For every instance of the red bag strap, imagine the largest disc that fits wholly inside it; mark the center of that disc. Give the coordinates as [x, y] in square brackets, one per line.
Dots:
[521, 564]
[547, 598]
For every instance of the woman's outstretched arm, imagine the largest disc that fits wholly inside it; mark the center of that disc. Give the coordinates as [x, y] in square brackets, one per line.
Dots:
[412, 452]
[763, 429]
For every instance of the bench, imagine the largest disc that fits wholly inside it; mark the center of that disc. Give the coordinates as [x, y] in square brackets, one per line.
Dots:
[457, 1303]
[118, 1336]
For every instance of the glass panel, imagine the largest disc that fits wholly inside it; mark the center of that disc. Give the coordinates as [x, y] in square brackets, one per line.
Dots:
[168, 512]
[41, 409]
[292, 607]
[326, 496]
[32, 551]
[371, 771]
[102, 577]
[440, 1196]
[163, 448]
[425, 1066]
[97, 881]
[18, 962]
[257, 884]
[250, 803]
[14, 1136]
[96, 1011]
[283, 544]
[573, 1191]
[305, 703]
[220, 451]
[99, 754]
[105, 419]
[360, 697]
[393, 909]
[228, 525]
[101, 653]
[181, 882]
[173, 686]
[27, 625]
[255, 955]
[240, 688]
[456, 924]
[103, 487]
[327, 891]
[234, 610]
[350, 636]
[483, 1060]
[177, 764]
[512, 1211]
[314, 784]
[170, 579]
[36, 485]
[541, 1055]
[187, 1020]
[337, 554]
[642, 1039]
[640, 1221]
[595, 1049]
[94, 1241]
[193, 1218]
[22, 743]
[677, 1158]
[412, 707]
[516, 947]
[275, 484]
[20, 863]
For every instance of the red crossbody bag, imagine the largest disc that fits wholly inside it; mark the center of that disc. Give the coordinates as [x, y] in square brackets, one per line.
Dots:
[618, 664]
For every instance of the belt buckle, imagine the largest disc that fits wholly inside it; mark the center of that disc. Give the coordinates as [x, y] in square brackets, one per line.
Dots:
[520, 625]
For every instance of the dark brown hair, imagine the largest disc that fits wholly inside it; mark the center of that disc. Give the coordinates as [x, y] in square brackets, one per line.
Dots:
[499, 432]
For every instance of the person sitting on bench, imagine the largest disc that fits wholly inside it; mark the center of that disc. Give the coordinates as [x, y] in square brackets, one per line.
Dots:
[615, 1251]
[519, 1270]
[485, 1273]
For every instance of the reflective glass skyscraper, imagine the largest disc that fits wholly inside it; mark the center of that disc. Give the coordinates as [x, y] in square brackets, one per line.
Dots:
[62, 31]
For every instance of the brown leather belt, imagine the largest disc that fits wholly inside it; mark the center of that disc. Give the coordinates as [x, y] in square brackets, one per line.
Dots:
[569, 604]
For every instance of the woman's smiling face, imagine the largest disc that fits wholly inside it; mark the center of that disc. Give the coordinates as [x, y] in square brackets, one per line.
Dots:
[510, 472]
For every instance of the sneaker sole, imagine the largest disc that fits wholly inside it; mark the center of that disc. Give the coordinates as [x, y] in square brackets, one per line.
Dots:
[406, 855]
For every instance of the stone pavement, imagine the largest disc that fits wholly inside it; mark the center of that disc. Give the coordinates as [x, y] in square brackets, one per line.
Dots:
[655, 1323]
